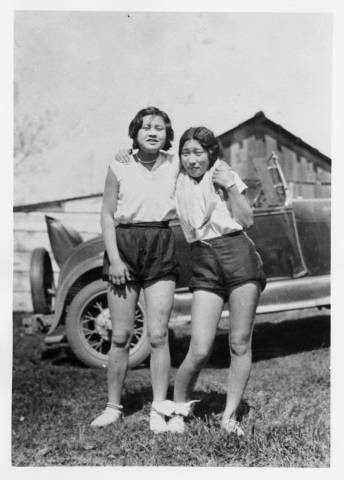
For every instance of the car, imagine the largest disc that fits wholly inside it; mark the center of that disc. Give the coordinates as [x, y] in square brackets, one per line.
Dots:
[292, 237]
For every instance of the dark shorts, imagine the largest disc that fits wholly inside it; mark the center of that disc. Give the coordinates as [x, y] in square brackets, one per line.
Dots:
[225, 262]
[148, 250]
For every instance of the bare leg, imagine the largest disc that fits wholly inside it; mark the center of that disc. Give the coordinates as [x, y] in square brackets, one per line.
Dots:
[122, 304]
[159, 301]
[205, 316]
[122, 308]
[242, 305]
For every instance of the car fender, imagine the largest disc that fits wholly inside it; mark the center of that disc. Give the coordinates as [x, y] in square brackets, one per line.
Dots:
[69, 279]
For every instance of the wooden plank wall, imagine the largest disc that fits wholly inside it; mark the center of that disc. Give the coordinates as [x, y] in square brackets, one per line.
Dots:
[30, 232]
[303, 178]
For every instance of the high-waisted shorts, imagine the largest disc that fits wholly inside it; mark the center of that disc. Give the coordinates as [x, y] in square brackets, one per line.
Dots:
[148, 250]
[221, 263]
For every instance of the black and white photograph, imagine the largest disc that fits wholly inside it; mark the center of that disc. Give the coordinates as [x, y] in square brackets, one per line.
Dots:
[171, 211]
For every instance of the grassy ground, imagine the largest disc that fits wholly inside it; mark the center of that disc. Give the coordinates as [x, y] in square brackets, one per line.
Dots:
[285, 409]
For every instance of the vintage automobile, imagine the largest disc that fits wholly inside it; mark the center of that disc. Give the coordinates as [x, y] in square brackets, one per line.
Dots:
[292, 237]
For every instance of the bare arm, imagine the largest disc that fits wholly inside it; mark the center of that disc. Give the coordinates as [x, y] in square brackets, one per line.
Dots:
[236, 202]
[118, 272]
[239, 207]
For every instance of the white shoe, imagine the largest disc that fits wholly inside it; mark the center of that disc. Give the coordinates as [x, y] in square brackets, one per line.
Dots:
[176, 424]
[232, 426]
[184, 408]
[157, 422]
[181, 411]
[159, 412]
[111, 414]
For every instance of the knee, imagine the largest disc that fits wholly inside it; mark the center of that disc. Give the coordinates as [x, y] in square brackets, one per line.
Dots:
[158, 338]
[199, 355]
[240, 345]
[121, 339]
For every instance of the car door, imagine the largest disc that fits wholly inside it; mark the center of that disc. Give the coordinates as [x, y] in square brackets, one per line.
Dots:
[275, 230]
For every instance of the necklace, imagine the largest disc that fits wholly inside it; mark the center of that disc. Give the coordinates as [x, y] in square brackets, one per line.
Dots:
[145, 163]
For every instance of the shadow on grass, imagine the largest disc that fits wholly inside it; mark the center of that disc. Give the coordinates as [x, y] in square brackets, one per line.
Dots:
[270, 340]
[211, 403]
[61, 354]
[134, 402]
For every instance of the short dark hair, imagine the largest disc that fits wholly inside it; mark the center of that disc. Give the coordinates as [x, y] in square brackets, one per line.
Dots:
[207, 140]
[136, 124]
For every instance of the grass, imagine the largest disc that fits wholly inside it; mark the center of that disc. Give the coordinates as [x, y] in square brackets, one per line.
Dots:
[285, 409]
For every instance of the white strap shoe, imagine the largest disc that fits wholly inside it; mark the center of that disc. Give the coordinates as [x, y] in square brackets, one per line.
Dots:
[176, 424]
[181, 410]
[184, 408]
[160, 410]
[111, 414]
[232, 426]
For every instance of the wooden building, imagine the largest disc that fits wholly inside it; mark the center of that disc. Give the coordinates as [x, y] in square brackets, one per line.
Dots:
[30, 232]
[306, 169]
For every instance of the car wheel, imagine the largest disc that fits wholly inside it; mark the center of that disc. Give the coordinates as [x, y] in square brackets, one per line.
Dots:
[41, 281]
[88, 328]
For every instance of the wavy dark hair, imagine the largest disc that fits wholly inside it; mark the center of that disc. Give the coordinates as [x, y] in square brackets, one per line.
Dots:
[136, 124]
[206, 139]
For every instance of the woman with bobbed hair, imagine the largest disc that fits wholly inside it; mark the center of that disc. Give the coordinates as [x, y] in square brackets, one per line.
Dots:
[226, 267]
[136, 124]
[138, 203]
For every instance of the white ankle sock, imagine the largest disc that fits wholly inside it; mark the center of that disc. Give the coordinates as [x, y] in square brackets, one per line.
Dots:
[111, 414]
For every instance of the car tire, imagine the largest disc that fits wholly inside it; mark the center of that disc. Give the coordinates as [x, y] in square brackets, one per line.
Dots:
[41, 281]
[87, 336]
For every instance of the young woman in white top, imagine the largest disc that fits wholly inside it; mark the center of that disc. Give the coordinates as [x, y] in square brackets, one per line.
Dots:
[138, 203]
[214, 213]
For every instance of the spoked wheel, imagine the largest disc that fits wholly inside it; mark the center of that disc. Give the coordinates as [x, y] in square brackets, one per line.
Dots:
[88, 328]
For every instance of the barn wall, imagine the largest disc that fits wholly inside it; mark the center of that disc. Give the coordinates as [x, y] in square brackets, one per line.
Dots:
[30, 232]
[304, 179]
